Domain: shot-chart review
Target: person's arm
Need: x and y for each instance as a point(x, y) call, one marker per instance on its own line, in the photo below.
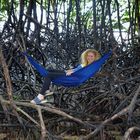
point(69, 72)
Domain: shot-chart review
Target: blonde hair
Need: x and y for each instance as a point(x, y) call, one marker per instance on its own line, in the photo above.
point(84, 61)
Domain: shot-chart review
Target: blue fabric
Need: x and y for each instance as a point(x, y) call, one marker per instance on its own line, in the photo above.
point(43, 72)
point(76, 78)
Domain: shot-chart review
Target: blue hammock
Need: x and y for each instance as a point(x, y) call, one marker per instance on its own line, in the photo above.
point(75, 78)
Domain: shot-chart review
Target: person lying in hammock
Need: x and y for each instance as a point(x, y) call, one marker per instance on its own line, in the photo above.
point(87, 57)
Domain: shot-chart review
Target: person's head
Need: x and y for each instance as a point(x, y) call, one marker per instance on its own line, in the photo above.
point(89, 56)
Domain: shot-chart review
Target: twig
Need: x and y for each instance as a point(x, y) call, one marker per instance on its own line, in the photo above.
point(129, 131)
point(128, 109)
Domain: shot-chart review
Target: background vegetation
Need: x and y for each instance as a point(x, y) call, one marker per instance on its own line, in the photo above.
point(55, 32)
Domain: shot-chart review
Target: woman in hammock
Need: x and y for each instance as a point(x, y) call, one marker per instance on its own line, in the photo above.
point(87, 57)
